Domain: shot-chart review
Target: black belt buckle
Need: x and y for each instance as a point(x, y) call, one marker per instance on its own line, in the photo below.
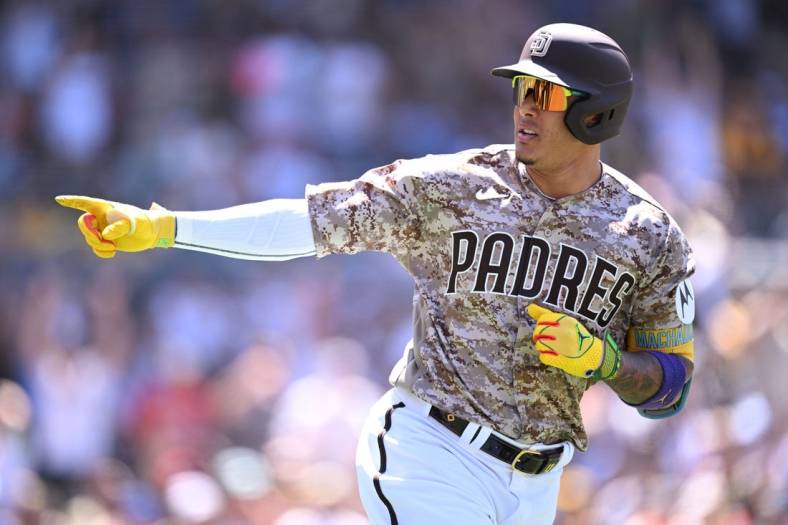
point(525, 460)
point(534, 462)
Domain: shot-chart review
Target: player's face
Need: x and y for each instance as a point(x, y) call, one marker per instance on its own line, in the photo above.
point(541, 138)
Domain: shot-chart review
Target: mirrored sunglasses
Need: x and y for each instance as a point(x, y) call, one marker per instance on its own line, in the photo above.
point(547, 95)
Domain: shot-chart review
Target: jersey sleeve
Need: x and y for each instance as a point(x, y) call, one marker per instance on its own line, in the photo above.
point(375, 212)
point(664, 308)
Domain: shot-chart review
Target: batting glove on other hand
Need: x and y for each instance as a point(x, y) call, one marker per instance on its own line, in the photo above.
point(563, 342)
point(111, 226)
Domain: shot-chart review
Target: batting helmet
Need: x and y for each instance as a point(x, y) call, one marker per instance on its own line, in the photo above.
point(584, 59)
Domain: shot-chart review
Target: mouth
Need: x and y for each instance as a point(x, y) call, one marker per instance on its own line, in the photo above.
point(526, 135)
point(547, 352)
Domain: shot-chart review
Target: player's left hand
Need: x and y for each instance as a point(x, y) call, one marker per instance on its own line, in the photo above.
point(563, 342)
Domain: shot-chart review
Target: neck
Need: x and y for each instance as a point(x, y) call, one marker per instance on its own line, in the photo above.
point(567, 179)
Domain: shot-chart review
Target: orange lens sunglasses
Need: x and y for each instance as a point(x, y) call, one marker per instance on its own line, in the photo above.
point(547, 95)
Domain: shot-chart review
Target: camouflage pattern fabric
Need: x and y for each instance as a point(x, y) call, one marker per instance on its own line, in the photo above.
point(482, 242)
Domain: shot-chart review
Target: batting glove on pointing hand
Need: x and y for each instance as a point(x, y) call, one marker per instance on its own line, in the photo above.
point(111, 226)
point(563, 342)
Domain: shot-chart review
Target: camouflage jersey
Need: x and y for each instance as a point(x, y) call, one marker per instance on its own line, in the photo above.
point(482, 242)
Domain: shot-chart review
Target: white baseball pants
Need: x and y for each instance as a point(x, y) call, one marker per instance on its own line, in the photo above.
point(413, 471)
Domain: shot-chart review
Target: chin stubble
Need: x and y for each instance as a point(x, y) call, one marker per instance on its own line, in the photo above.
point(527, 161)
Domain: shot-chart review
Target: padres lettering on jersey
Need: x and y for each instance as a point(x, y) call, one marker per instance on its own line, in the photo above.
point(481, 243)
point(572, 265)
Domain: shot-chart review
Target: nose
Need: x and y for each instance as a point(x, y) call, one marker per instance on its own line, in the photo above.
point(528, 107)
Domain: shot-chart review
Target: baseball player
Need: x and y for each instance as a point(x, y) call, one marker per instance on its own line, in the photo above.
point(538, 270)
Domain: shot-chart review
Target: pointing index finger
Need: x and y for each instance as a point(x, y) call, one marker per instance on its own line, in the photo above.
point(80, 202)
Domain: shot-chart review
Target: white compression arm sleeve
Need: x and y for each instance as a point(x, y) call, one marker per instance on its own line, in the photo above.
point(272, 230)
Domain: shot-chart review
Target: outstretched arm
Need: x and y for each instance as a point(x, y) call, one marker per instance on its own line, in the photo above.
point(277, 229)
point(273, 230)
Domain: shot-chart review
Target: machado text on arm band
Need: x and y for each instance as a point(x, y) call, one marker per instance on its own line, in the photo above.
point(675, 340)
point(673, 391)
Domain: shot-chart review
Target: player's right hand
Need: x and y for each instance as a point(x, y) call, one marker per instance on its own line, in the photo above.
point(111, 226)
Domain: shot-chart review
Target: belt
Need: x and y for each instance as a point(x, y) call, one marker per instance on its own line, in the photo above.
point(522, 459)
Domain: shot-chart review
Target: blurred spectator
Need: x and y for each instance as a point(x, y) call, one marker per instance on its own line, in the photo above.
point(76, 109)
point(30, 44)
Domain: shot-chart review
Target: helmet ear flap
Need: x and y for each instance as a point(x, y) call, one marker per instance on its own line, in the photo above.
point(609, 124)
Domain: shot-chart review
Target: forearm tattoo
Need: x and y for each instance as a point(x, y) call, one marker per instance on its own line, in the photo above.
point(638, 378)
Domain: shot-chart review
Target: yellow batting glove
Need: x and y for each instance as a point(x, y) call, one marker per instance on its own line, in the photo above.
point(111, 226)
point(563, 342)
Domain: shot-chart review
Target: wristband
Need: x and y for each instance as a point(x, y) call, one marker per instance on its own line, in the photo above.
point(611, 360)
point(674, 376)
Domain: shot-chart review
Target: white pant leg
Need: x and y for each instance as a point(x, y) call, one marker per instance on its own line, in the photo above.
point(432, 476)
point(407, 475)
point(537, 496)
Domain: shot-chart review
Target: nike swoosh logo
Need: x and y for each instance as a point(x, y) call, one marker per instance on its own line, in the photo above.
point(491, 193)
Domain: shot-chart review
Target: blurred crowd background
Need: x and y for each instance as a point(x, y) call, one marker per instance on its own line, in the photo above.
point(176, 387)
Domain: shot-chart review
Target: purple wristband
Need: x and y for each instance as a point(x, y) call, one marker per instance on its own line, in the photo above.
point(674, 375)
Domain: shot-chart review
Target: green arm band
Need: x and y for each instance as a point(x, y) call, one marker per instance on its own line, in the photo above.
point(611, 360)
